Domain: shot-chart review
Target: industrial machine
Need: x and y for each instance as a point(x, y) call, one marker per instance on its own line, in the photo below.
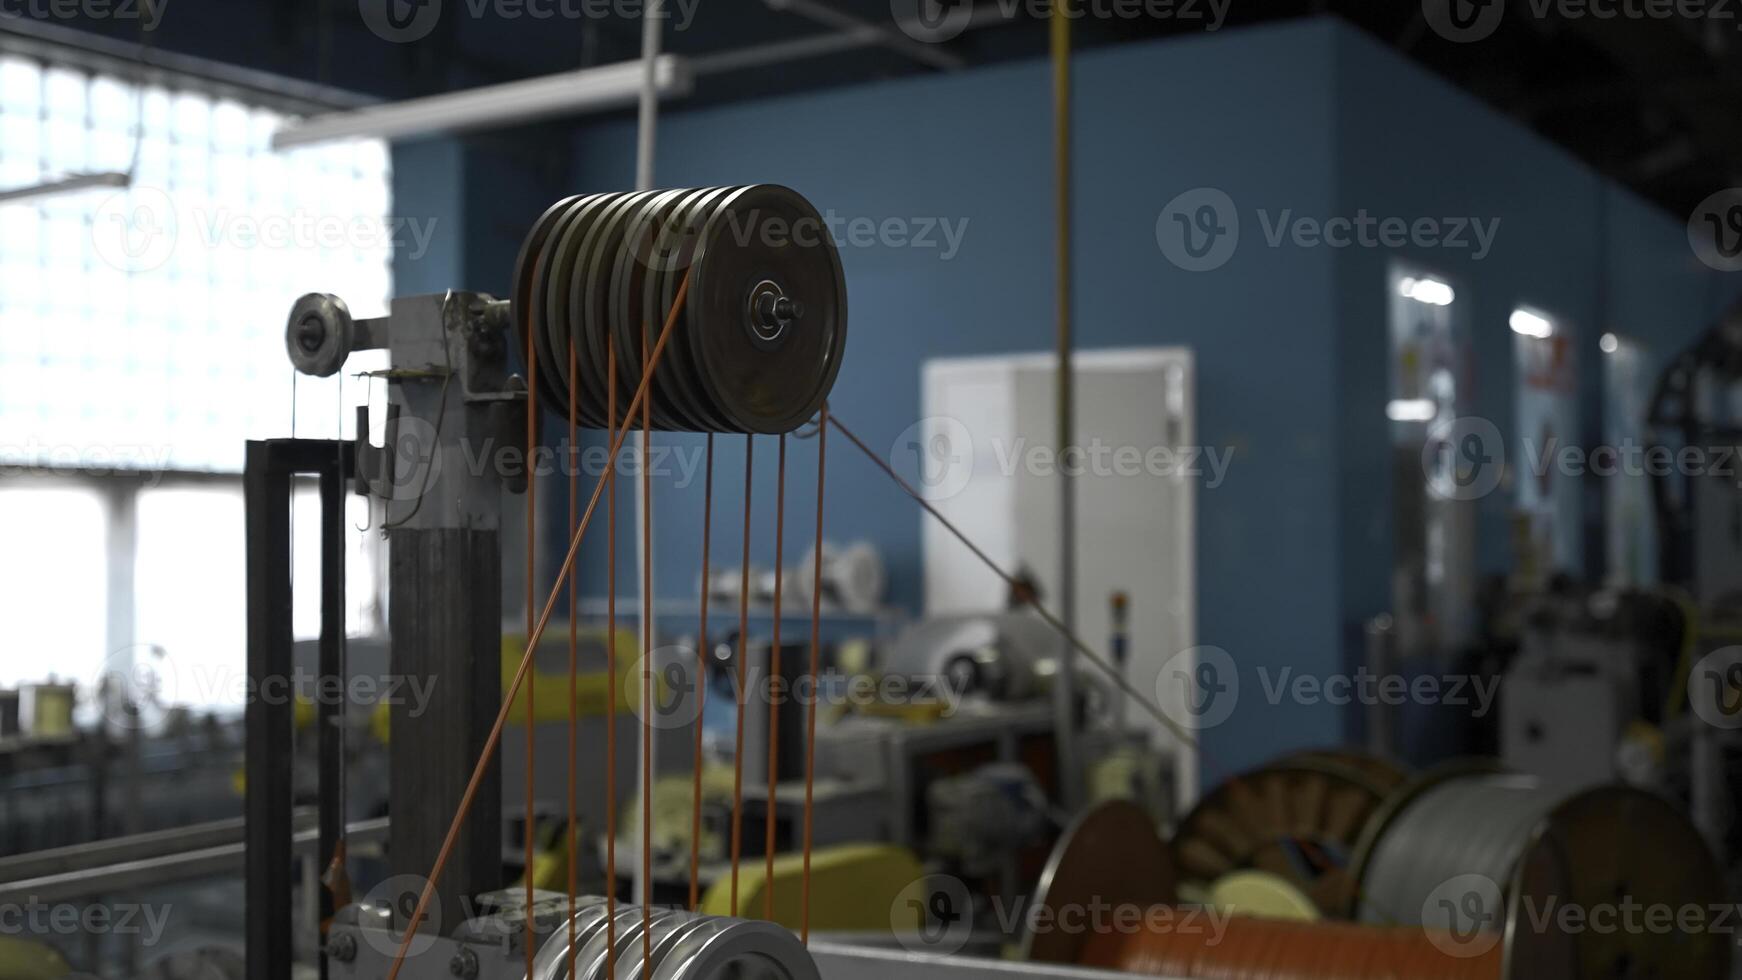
point(752, 340)
point(676, 311)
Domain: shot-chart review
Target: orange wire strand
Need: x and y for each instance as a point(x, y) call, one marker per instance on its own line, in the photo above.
point(574, 639)
point(495, 738)
point(618, 433)
point(701, 680)
point(743, 634)
point(531, 612)
point(810, 746)
point(774, 681)
point(646, 669)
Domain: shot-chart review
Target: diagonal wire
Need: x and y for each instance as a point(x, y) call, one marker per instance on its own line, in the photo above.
point(1106, 666)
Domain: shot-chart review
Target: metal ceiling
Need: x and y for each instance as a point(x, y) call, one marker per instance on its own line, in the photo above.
point(1655, 103)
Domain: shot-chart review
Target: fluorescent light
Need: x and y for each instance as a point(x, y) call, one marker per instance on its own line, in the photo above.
point(66, 185)
point(1429, 291)
point(1609, 343)
point(1530, 325)
point(610, 86)
point(1411, 410)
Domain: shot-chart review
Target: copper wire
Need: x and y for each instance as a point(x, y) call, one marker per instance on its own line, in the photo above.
point(743, 635)
point(1243, 947)
point(774, 684)
point(494, 740)
point(618, 432)
point(701, 679)
point(810, 745)
point(531, 613)
point(647, 707)
point(574, 641)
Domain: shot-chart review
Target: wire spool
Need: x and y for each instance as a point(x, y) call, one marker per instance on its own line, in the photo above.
point(1243, 948)
point(1110, 856)
point(1298, 818)
point(684, 946)
point(1468, 845)
point(764, 322)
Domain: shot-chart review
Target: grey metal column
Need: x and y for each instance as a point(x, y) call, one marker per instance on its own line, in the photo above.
point(443, 515)
point(445, 615)
point(452, 411)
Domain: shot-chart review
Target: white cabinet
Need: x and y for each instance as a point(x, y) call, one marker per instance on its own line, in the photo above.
point(985, 454)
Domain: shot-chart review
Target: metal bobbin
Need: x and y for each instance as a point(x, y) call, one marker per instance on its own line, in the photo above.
point(764, 325)
point(1469, 847)
point(684, 946)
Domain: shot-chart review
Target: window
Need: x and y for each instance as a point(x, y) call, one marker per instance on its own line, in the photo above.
point(52, 600)
point(142, 344)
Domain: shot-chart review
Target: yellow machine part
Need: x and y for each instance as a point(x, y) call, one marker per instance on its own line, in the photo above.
point(854, 887)
point(21, 959)
point(550, 690)
point(1262, 895)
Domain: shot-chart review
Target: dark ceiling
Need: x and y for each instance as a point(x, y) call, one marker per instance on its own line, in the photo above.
point(1654, 103)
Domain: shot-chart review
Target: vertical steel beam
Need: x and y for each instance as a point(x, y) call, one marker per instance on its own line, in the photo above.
point(266, 490)
point(269, 733)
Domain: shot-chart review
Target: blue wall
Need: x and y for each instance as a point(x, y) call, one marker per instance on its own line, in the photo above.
point(1153, 121)
point(1569, 242)
point(1294, 548)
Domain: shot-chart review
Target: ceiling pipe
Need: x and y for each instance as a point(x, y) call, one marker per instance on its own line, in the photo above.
point(612, 86)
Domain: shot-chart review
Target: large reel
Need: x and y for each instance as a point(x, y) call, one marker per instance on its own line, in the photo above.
point(684, 946)
point(1467, 843)
point(764, 324)
point(1298, 817)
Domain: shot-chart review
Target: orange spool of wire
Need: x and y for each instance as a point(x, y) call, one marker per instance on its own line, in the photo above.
point(1242, 948)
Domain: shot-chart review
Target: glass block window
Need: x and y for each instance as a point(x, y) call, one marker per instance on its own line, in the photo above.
point(142, 345)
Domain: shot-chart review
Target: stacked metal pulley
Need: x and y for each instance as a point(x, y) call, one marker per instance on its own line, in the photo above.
point(764, 320)
point(670, 945)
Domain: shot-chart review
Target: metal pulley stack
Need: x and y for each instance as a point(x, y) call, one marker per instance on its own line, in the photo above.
point(670, 945)
point(764, 322)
